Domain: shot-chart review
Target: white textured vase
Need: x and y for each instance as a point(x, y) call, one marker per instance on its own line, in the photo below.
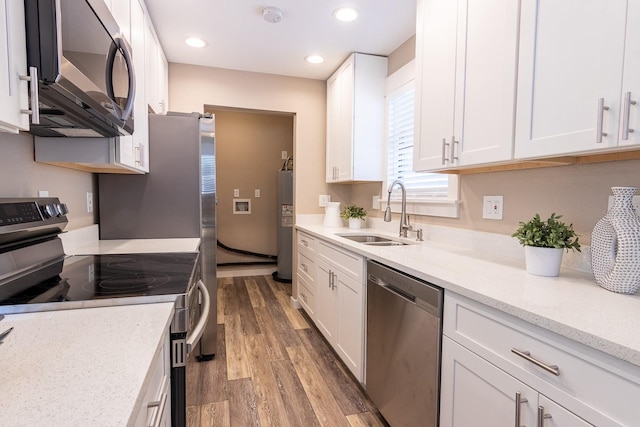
point(355, 223)
point(543, 261)
point(332, 215)
point(615, 245)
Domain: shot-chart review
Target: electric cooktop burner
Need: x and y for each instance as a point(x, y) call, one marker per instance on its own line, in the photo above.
point(93, 277)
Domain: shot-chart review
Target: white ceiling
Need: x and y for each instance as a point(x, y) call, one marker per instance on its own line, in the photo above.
point(240, 39)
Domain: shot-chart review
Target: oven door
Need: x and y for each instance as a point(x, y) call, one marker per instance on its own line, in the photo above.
point(198, 315)
point(183, 343)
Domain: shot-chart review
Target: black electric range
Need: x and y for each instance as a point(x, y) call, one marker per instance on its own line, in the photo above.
point(82, 281)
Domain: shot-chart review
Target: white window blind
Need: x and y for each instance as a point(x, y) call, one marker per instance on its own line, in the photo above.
point(420, 186)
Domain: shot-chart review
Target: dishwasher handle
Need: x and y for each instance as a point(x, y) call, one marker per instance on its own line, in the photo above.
point(398, 292)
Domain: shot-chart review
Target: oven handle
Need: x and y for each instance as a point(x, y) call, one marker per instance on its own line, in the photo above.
point(196, 334)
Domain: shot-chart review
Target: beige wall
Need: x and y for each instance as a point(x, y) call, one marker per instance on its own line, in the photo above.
point(248, 155)
point(192, 87)
point(20, 176)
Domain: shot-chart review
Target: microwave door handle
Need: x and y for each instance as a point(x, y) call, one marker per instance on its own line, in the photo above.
point(131, 74)
point(197, 332)
point(120, 45)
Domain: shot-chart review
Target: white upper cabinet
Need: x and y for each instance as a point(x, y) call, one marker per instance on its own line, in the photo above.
point(630, 109)
point(14, 95)
point(121, 11)
point(466, 58)
point(140, 137)
point(355, 120)
point(572, 55)
point(156, 73)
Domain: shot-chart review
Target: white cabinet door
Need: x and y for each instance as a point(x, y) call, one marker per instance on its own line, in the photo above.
point(476, 393)
point(163, 82)
point(121, 11)
point(630, 108)
point(569, 73)
point(555, 415)
point(350, 326)
point(326, 301)
point(485, 81)
point(355, 120)
point(140, 135)
point(435, 83)
point(14, 95)
point(466, 57)
point(333, 128)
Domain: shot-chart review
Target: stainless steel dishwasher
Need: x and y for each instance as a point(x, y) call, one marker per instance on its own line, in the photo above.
point(404, 335)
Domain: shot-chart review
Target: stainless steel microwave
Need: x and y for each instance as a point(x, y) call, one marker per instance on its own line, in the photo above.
point(84, 67)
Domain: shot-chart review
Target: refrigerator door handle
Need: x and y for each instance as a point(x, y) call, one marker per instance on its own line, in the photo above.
point(196, 333)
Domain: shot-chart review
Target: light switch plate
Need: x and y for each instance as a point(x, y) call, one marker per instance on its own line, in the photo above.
point(236, 192)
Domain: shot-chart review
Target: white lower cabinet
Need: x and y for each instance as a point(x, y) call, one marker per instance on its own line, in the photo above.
point(155, 409)
point(489, 358)
point(476, 393)
point(331, 289)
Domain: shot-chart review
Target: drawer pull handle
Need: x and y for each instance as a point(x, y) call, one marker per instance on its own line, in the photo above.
point(159, 404)
point(304, 266)
point(304, 297)
point(519, 401)
point(553, 369)
point(542, 416)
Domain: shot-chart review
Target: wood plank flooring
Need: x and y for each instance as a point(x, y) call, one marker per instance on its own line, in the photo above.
point(272, 367)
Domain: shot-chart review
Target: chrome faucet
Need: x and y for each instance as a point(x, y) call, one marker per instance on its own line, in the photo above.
point(404, 218)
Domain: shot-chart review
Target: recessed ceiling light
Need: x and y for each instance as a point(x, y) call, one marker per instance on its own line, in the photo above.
point(195, 42)
point(345, 14)
point(314, 59)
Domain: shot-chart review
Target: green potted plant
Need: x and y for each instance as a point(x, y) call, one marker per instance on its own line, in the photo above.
point(355, 215)
point(544, 242)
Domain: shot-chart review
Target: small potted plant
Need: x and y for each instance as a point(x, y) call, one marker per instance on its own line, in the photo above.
point(544, 242)
point(355, 215)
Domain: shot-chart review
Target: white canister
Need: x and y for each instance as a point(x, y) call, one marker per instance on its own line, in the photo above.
point(332, 215)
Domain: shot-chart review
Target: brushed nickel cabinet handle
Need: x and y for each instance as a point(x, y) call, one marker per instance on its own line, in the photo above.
point(304, 266)
point(304, 297)
point(599, 125)
point(542, 416)
point(453, 149)
point(519, 401)
point(553, 369)
point(626, 130)
point(444, 147)
point(34, 111)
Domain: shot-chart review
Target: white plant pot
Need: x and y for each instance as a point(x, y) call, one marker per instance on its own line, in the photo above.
point(355, 223)
point(543, 261)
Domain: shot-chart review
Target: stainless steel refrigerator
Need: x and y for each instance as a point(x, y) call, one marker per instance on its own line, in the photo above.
point(176, 199)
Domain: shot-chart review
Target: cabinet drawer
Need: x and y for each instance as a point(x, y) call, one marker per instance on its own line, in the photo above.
point(158, 390)
point(597, 387)
point(306, 267)
point(351, 264)
point(306, 295)
point(306, 243)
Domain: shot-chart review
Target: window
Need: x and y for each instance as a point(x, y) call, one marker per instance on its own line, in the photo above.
point(427, 193)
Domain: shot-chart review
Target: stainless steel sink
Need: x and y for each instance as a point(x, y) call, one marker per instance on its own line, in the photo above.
point(365, 238)
point(389, 243)
point(372, 240)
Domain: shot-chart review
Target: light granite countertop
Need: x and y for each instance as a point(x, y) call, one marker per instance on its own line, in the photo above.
point(571, 305)
point(84, 367)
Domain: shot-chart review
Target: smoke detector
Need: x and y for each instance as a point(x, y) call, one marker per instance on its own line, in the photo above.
point(272, 14)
